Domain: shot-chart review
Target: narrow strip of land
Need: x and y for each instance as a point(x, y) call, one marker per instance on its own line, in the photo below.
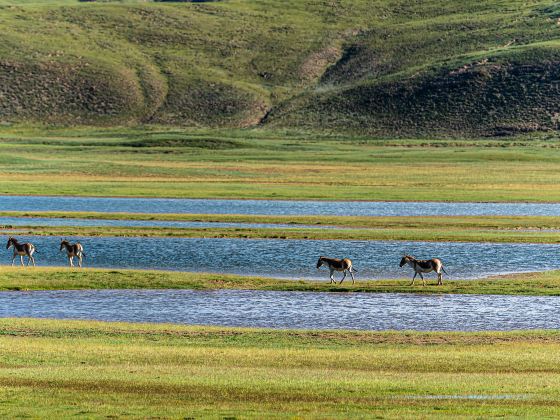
point(57, 278)
point(60, 369)
point(373, 222)
point(522, 229)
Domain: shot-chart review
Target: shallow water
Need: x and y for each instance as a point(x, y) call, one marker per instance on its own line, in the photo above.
point(288, 258)
point(469, 397)
point(302, 310)
point(272, 207)
point(55, 221)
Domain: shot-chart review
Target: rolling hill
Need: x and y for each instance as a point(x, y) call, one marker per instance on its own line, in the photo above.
point(381, 67)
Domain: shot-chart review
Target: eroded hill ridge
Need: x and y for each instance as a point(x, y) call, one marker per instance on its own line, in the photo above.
point(396, 68)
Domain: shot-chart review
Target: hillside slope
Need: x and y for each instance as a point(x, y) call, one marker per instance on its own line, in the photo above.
point(380, 67)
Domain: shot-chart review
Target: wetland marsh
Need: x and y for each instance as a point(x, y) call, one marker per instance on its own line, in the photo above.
point(228, 268)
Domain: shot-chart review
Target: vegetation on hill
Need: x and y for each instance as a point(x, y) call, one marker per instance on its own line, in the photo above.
point(382, 67)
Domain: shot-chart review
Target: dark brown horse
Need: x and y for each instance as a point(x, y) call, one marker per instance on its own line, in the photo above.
point(73, 250)
point(21, 250)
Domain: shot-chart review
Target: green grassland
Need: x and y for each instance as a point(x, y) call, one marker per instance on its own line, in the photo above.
point(167, 162)
point(381, 67)
point(57, 278)
point(91, 369)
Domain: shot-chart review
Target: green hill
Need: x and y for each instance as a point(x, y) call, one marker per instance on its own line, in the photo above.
point(385, 67)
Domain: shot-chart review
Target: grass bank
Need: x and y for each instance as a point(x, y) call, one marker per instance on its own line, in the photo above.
point(373, 222)
point(318, 234)
point(523, 229)
point(92, 369)
point(57, 278)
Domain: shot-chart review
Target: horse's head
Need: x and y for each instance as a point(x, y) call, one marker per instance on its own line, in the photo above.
point(10, 242)
point(320, 262)
point(63, 243)
point(405, 259)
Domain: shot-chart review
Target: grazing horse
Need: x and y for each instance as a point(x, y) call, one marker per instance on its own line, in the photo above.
point(424, 266)
point(73, 250)
point(336, 264)
point(21, 250)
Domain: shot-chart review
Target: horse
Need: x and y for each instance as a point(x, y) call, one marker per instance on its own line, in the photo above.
point(73, 250)
point(21, 250)
point(424, 266)
point(335, 264)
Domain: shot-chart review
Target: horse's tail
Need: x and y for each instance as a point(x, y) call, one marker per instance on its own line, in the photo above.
point(353, 269)
point(84, 254)
point(444, 270)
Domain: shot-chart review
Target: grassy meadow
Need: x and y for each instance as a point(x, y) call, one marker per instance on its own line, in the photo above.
point(257, 164)
point(93, 369)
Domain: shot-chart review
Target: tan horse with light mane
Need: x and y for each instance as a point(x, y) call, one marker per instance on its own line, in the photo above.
point(335, 264)
point(424, 266)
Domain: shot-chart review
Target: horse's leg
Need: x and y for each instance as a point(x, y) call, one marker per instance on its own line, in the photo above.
point(439, 278)
point(13, 259)
point(32, 258)
point(413, 277)
point(343, 277)
point(21, 260)
point(423, 281)
point(70, 260)
point(80, 260)
point(332, 277)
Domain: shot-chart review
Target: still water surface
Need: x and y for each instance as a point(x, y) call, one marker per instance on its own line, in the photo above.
point(296, 258)
point(304, 310)
point(272, 207)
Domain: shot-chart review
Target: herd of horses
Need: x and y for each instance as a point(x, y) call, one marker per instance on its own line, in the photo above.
point(334, 264)
point(28, 249)
point(419, 266)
